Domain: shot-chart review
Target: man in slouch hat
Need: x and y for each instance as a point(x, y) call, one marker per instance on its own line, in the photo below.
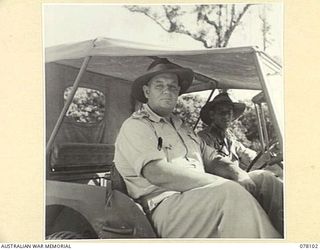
point(162, 162)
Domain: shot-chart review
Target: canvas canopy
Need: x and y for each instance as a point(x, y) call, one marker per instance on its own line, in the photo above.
point(233, 68)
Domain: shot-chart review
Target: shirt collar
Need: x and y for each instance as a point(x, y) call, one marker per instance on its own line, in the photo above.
point(146, 111)
point(151, 114)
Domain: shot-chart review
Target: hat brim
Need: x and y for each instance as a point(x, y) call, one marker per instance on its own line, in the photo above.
point(238, 109)
point(185, 77)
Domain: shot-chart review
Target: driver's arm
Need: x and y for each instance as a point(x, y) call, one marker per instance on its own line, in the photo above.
point(176, 178)
point(218, 165)
point(223, 167)
point(246, 155)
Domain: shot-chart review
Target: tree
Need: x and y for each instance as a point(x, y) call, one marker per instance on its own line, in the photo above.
point(265, 28)
point(211, 24)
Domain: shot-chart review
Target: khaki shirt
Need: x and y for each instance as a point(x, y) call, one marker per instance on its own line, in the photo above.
point(145, 137)
point(231, 148)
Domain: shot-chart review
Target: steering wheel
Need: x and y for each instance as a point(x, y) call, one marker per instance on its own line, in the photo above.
point(273, 157)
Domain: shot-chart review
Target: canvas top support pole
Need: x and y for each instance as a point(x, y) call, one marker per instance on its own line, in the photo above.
point(67, 104)
point(261, 75)
point(257, 108)
point(208, 100)
point(264, 126)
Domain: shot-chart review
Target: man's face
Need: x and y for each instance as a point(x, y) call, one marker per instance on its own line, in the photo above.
point(222, 115)
point(162, 93)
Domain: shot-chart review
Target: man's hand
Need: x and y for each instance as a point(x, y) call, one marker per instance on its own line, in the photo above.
point(223, 167)
point(222, 162)
point(245, 181)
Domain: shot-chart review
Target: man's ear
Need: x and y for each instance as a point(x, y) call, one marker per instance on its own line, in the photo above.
point(146, 91)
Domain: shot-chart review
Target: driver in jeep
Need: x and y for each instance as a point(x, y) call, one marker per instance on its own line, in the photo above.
point(163, 164)
point(218, 116)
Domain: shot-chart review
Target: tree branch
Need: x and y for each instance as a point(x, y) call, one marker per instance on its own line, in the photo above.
point(219, 30)
point(144, 11)
point(213, 23)
point(234, 24)
point(203, 40)
point(196, 37)
point(173, 25)
point(169, 20)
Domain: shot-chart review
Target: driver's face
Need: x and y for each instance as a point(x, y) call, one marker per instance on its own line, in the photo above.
point(222, 115)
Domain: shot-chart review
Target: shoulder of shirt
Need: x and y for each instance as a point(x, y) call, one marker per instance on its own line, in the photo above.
point(146, 114)
point(140, 114)
point(132, 123)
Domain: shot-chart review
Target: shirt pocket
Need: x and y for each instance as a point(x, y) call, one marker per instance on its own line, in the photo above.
point(172, 146)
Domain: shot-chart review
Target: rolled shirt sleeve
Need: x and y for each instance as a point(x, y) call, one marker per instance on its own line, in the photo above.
point(246, 155)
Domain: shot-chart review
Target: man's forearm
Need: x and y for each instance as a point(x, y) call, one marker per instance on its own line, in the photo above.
point(227, 172)
point(176, 178)
point(224, 168)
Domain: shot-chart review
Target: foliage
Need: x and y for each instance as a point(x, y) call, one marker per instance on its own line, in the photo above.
point(188, 108)
point(250, 124)
point(211, 24)
point(87, 105)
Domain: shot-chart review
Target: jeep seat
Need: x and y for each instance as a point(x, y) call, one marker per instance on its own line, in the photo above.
point(80, 161)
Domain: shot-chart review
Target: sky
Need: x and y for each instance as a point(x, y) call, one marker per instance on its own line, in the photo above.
point(72, 23)
point(68, 23)
point(65, 23)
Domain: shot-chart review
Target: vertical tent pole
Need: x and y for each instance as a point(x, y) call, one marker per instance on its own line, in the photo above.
point(264, 126)
point(257, 107)
point(67, 104)
point(261, 75)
